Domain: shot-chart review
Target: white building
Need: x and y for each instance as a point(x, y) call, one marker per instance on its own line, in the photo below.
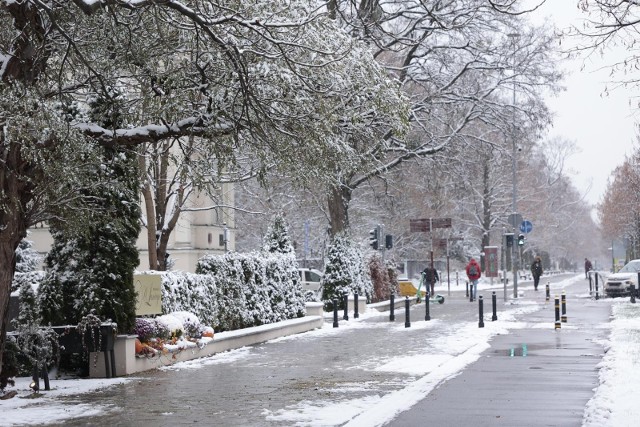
point(198, 233)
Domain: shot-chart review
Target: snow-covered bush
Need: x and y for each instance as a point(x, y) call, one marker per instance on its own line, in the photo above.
point(254, 288)
point(190, 323)
point(172, 323)
point(195, 293)
point(344, 272)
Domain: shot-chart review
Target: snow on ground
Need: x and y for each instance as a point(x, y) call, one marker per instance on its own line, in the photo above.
point(612, 404)
point(615, 402)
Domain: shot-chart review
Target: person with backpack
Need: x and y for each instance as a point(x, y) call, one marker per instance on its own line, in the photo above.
point(536, 272)
point(473, 273)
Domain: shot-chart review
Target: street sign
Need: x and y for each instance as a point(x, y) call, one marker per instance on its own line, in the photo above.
point(515, 219)
point(417, 225)
point(526, 226)
point(426, 224)
point(441, 222)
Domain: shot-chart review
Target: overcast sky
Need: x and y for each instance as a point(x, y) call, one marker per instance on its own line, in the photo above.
point(602, 126)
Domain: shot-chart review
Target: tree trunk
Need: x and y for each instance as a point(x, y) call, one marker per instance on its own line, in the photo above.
point(10, 236)
point(338, 203)
point(486, 210)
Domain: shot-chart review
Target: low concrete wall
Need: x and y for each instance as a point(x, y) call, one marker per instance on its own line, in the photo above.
point(398, 303)
point(126, 361)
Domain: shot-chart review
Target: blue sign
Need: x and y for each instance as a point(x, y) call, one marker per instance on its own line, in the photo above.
point(526, 226)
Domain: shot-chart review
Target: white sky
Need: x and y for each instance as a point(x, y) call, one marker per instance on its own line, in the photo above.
point(614, 403)
point(601, 126)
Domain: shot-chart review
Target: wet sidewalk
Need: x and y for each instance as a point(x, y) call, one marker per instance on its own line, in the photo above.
point(534, 376)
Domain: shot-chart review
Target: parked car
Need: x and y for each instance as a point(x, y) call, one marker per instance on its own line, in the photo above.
point(618, 284)
point(310, 279)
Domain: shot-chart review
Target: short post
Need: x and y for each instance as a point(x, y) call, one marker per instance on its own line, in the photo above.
point(557, 301)
point(427, 316)
point(494, 317)
point(632, 291)
point(470, 292)
point(355, 306)
point(466, 288)
point(335, 313)
point(456, 278)
point(548, 292)
point(480, 312)
point(590, 285)
point(597, 292)
point(345, 316)
point(392, 301)
point(563, 318)
point(407, 318)
point(35, 379)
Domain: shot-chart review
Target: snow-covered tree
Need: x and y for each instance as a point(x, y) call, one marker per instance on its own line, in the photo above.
point(92, 272)
point(345, 272)
point(255, 77)
point(27, 259)
point(38, 344)
point(277, 241)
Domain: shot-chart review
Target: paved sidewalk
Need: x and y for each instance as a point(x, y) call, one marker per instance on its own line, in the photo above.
point(550, 386)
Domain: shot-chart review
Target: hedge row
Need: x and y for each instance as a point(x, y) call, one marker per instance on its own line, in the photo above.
point(235, 291)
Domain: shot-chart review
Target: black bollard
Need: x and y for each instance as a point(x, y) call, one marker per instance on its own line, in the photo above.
point(466, 289)
point(597, 294)
point(480, 312)
point(335, 313)
point(590, 285)
point(355, 306)
point(392, 307)
point(470, 292)
point(345, 316)
point(632, 291)
point(548, 292)
point(557, 301)
point(407, 318)
point(427, 316)
point(494, 317)
point(563, 318)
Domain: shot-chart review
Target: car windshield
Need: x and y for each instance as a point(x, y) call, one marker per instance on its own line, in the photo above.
point(632, 267)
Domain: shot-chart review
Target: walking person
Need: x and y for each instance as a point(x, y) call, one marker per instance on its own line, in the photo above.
point(587, 268)
point(430, 279)
point(536, 271)
point(473, 273)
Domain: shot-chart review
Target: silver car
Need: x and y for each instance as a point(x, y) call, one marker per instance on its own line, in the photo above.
point(618, 284)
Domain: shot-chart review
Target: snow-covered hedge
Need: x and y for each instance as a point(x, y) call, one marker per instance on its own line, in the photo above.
point(254, 288)
point(235, 291)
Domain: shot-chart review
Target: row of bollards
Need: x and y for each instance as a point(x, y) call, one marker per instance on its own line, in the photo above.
point(345, 316)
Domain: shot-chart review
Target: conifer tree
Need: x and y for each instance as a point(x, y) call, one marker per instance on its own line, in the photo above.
point(277, 240)
point(91, 270)
point(344, 272)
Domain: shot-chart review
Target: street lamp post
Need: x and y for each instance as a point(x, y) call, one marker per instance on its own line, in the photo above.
point(514, 257)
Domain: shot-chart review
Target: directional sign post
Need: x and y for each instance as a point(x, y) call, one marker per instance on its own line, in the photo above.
point(526, 226)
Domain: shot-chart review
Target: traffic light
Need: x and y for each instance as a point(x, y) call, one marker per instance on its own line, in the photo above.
point(520, 239)
point(388, 241)
point(509, 238)
point(373, 238)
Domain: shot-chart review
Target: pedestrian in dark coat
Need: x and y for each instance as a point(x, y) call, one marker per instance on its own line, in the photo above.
point(536, 271)
point(430, 279)
point(587, 268)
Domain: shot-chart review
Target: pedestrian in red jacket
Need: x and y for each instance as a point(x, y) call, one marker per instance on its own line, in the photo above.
point(473, 273)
